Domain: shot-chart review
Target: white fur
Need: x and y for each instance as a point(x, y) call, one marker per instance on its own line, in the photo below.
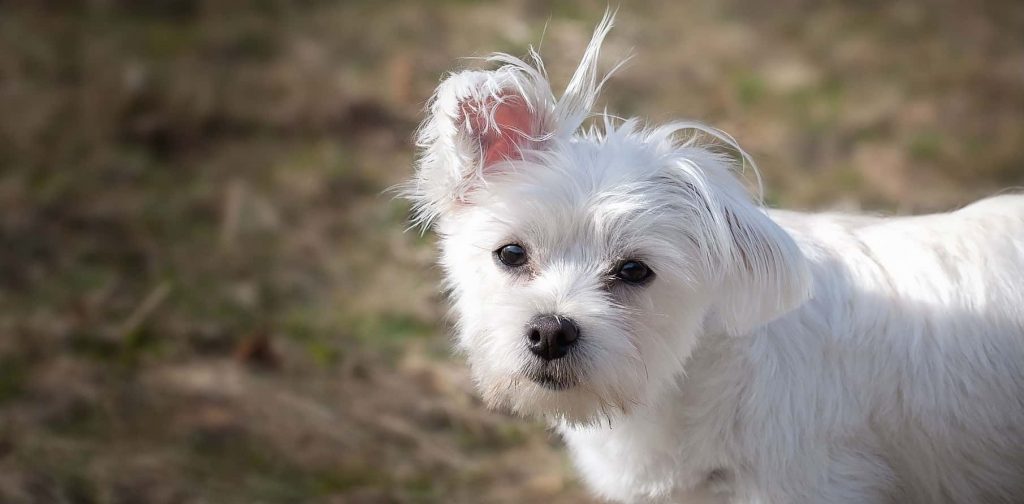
point(777, 357)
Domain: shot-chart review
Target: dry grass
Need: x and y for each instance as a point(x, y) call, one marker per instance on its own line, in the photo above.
point(205, 297)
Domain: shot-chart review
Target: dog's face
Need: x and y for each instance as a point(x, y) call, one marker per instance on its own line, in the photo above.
point(576, 285)
point(584, 267)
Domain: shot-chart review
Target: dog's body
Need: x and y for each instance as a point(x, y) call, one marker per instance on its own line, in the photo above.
point(690, 346)
point(900, 381)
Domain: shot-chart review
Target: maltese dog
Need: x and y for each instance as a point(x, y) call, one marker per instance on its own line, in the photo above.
point(619, 281)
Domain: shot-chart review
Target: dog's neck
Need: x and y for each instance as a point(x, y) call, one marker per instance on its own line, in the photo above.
point(684, 418)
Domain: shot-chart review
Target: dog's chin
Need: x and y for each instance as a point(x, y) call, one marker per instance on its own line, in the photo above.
point(542, 393)
point(561, 402)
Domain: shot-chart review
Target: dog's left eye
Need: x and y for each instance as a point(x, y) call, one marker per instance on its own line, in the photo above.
point(634, 272)
point(511, 255)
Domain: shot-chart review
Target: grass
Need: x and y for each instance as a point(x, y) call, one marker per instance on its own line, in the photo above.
point(13, 377)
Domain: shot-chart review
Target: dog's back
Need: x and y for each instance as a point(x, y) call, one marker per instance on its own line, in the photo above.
point(923, 318)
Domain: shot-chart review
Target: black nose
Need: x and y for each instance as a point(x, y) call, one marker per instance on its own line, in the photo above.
point(551, 336)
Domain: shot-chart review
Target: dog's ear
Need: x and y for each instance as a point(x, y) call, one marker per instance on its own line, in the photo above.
point(477, 123)
point(754, 268)
point(765, 274)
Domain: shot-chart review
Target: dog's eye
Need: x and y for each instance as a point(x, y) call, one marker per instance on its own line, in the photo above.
point(633, 272)
point(511, 255)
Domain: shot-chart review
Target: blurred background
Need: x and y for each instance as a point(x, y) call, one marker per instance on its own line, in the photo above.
point(206, 296)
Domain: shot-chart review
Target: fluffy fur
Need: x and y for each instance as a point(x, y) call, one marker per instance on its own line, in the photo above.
point(775, 357)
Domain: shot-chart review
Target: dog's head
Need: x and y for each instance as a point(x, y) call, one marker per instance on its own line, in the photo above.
point(584, 265)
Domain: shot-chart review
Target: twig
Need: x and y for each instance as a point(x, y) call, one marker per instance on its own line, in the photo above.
point(143, 311)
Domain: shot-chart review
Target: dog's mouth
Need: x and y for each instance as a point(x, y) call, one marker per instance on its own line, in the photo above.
point(550, 382)
point(550, 379)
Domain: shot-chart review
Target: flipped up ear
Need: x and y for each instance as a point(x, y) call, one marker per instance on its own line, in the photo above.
point(477, 122)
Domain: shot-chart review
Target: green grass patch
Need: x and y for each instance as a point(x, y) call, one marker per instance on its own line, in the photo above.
point(13, 377)
point(391, 328)
point(926, 146)
point(126, 352)
point(239, 464)
point(750, 89)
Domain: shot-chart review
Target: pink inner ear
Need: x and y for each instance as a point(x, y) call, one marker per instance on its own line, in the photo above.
point(515, 126)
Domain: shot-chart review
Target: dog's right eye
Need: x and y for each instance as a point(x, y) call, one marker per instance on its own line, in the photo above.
point(511, 255)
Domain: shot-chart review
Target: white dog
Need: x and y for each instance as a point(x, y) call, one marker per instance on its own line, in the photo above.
point(692, 347)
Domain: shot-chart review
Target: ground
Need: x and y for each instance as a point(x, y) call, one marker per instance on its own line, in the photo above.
point(208, 295)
